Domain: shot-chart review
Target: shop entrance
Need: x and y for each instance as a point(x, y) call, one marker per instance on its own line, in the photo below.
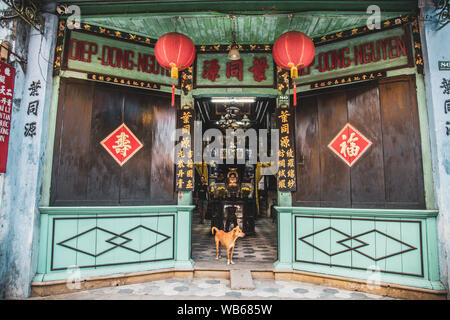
point(234, 193)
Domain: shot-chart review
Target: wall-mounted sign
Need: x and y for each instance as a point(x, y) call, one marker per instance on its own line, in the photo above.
point(349, 144)
point(444, 65)
point(124, 81)
point(122, 144)
point(184, 158)
point(286, 176)
point(385, 50)
point(129, 59)
point(7, 76)
point(102, 55)
point(252, 70)
point(349, 79)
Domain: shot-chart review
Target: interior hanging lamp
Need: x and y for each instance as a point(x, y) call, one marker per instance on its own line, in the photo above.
point(174, 51)
point(293, 50)
point(233, 54)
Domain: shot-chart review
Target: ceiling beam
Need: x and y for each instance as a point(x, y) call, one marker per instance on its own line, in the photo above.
point(97, 7)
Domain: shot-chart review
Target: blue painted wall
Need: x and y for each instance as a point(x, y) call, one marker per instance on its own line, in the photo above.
point(20, 186)
point(436, 47)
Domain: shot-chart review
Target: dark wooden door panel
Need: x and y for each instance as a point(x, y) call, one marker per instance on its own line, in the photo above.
point(84, 173)
point(162, 171)
point(367, 176)
point(402, 152)
point(71, 151)
point(135, 173)
point(388, 175)
point(104, 172)
point(335, 174)
point(307, 153)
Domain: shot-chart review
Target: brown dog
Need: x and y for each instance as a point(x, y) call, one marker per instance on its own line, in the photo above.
point(227, 239)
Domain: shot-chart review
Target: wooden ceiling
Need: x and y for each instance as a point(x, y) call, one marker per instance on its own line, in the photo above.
point(255, 22)
point(249, 29)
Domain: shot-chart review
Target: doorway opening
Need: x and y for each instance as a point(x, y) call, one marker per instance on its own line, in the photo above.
point(234, 193)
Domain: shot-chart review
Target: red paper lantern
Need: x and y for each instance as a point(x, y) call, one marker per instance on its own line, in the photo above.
point(174, 51)
point(293, 50)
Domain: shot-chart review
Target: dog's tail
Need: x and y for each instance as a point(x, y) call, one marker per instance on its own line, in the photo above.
point(212, 230)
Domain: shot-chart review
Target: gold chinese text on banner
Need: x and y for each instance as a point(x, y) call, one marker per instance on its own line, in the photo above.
point(286, 177)
point(184, 153)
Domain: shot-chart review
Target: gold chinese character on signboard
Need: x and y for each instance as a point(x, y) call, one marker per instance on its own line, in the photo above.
point(285, 128)
point(291, 173)
point(180, 164)
point(186, 142)
point(291, 183)
point(348, 146)
point(122, 144)
point(290, 162)
point(284, 116)
point(186, 116)
point(284, 142)
point(186, 129)
point(290, 153)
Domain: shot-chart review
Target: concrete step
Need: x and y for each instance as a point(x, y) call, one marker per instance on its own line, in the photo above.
point(241, 279)
point(221, 265)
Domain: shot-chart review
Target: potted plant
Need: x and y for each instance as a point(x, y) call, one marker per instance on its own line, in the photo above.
point(245, 192)
point(220, 192)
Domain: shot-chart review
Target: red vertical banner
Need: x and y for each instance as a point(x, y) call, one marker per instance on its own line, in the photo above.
point(7, 76)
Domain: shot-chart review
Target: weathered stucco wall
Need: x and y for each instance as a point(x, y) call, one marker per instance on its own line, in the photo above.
point(15, 32)
point(436, 47)
point(20, 186)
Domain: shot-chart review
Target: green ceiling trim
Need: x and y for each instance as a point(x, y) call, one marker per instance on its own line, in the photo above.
point(250, 30)
point(219, 48)
point(90, 7)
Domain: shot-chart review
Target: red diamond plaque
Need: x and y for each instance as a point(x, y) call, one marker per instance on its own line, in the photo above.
point(122, 144)
point(349, 145)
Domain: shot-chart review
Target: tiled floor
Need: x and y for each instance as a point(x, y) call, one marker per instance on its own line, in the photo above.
point(262, 246)
point(210, 289)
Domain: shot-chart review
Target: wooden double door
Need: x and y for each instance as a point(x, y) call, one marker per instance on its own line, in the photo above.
point(388, 175)
point(84, 173)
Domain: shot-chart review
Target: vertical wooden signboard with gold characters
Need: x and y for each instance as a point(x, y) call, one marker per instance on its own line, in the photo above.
point(286, 177)
point(184, 153)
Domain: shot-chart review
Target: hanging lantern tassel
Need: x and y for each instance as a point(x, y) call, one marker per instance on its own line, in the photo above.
point(173, 75)
point(173, 94)
point(294, 75)
point(295, 93)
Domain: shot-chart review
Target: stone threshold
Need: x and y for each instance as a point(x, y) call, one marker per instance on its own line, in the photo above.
point(214, 269)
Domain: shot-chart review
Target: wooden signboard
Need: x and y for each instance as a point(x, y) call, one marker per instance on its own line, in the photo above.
point(252, 70)
point(184, 159)
point(105, 58)
point(286, 163)
point(386, 50)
